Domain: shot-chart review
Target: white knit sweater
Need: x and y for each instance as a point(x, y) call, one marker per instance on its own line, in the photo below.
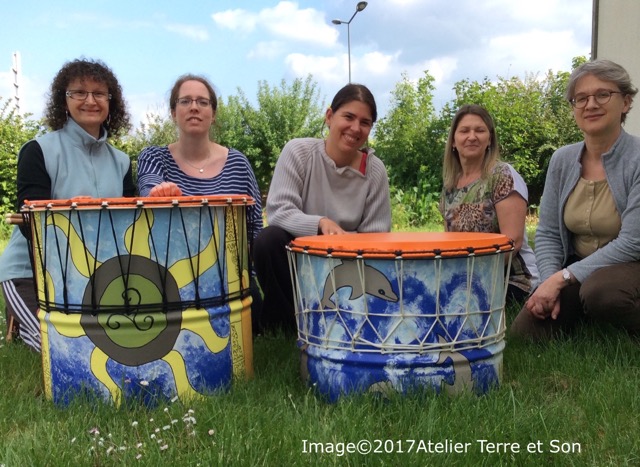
point(307, 186)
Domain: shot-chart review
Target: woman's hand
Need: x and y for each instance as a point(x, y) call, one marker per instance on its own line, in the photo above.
point(166, 189)
point(327, 227)
point(545, 300)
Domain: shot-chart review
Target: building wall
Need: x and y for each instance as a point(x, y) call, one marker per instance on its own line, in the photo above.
point(616, 36)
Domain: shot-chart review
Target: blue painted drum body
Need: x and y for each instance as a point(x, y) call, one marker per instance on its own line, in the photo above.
point(400, 311)
point(142, 298)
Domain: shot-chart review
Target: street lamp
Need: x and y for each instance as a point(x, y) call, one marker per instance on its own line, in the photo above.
point(359, 7)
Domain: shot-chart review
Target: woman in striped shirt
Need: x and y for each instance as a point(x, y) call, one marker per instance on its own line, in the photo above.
point(194, 165)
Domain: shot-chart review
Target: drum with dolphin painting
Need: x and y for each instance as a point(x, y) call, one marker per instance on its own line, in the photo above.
point(143, 298)
point(400, 311)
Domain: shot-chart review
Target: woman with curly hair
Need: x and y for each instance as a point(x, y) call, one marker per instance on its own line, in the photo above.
point(85, 106)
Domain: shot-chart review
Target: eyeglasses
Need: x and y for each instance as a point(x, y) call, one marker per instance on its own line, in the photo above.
point(82, 95)
point(602, 97)
point(186, 102)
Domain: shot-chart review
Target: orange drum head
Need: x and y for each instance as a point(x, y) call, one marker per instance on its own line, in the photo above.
point(402, 244)
point(152, 202)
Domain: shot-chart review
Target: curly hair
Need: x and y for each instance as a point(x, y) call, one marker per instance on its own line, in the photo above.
point(56, 109)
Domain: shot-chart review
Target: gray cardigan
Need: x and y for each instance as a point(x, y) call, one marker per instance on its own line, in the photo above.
point(553, 240)
point(307, 186)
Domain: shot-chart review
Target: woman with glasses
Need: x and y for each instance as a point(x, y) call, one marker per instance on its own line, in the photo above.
point(194, 165)
point(84, 108)
point(588, 236)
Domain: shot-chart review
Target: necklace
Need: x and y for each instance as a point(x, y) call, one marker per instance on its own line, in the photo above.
point(199, 169)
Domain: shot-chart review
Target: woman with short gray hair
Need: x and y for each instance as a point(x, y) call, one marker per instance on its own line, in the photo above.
point(588, 236)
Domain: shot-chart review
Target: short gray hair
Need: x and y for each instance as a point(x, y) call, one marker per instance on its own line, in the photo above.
point(606, 70)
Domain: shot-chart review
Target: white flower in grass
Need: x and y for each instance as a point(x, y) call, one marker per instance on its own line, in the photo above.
point(139, 445)
point(73, 440)
point(153, 435)
point(174, 421)
point(144, 383)
point(151, 419)
point(166, 427)
point(122, 448)
point(190, 411)
point(134, 423)
point(157, 430)
point(212, 432)
point(139, 456)
point(94, 431)
point(164, 447)
point(174, 398)
point(110, 450)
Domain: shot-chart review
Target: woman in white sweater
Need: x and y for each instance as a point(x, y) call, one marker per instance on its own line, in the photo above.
point(321, 187)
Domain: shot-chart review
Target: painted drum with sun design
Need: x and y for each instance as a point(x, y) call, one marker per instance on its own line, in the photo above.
point(144, 298)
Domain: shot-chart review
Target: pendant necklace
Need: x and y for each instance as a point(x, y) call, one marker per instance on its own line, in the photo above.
point(199, 169)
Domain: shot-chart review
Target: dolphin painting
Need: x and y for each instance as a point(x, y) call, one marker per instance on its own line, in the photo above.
point(347, 275)
point(463, 380)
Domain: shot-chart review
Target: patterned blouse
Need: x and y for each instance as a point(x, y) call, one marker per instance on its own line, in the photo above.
point(472, 209)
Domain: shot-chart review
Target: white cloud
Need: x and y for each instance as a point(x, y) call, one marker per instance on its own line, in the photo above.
point(271, 49)
point(141, 106)
point(377, 62)
point(284, 21)
point(236, 20)
point(197, 33)
point(307, 25)
point(324, 69)
point(31, 93)
point(534, 50)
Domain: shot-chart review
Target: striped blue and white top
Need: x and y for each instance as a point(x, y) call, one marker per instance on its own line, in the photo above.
point(156, 165)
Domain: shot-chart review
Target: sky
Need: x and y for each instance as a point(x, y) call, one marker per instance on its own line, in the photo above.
point(236, 44)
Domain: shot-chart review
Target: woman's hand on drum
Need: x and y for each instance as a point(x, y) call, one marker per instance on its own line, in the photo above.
point(327, 227)
point(166, 189)
point(545, 300)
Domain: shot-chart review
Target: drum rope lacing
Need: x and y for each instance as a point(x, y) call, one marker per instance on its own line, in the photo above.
point(63, 256)
point(482, 328)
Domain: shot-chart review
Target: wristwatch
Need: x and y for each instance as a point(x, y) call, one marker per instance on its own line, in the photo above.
point(566, 275)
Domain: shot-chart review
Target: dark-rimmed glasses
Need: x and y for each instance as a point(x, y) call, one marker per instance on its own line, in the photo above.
point(602, 97)
point(82, 95)
point(186, 102)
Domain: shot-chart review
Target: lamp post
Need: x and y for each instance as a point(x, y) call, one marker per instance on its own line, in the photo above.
point(359, 7)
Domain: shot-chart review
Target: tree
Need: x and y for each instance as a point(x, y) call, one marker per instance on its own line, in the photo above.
point(159, 131)
point(532, 120)
point(404, 139)
point(15, 130)
point(410, 140)
point(282, 113)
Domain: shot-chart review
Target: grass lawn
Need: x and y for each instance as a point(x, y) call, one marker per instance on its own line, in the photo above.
point(569, 402)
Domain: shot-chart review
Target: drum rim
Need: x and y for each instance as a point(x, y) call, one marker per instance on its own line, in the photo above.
point(398, 245)
point(137, 202)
